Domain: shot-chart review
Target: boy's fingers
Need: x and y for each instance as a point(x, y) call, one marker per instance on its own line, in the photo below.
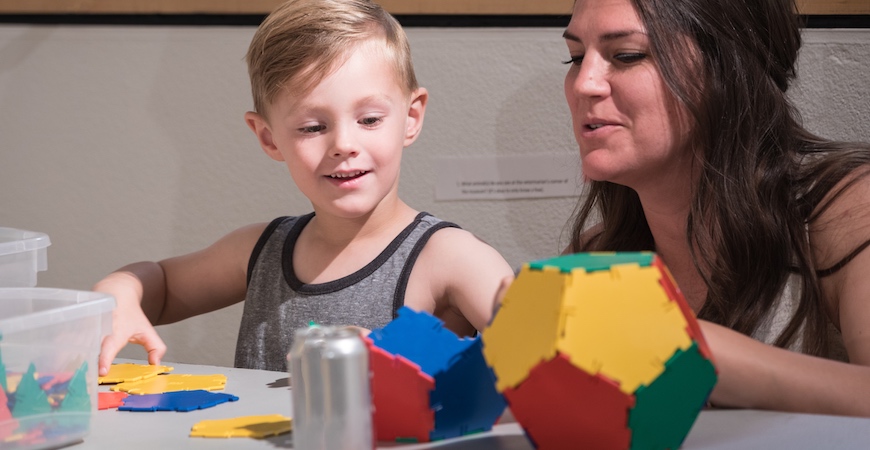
point(154, 346)
point(503, 287)
point(108, 350)
point(112, 345)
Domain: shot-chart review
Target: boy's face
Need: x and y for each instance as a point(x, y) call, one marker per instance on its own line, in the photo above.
point(343, 141)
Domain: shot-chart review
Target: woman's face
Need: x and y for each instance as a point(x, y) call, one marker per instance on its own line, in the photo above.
point(629, 128)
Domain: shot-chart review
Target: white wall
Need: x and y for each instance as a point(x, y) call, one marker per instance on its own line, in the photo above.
point(127, 143)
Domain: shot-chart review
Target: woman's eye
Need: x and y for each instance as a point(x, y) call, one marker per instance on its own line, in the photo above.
point(312, 129)
point(369, 121)
point(628, 58)
point(576, 60)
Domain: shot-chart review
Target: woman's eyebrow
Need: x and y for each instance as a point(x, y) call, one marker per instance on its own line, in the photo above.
point(570, 36)
point(609, 36)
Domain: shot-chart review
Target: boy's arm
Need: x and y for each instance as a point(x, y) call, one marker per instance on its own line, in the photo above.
point(467, 271)
point(154, 293)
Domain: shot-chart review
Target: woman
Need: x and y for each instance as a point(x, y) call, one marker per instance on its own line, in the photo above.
point(693, 150)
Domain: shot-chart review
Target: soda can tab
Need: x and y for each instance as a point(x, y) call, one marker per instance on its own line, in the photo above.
point(329, 372)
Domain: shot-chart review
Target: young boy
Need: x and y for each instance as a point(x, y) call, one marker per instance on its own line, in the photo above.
point(336, 99)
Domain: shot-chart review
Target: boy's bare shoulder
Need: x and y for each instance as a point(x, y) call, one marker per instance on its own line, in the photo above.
point(462, 273)
point(241, 239)
point(454, 249)
point(450, 241)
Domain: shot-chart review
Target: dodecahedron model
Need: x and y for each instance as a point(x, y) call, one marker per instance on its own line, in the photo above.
point(599, 350)
point(428, 383)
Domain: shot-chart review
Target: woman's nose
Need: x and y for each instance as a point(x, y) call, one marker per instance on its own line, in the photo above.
point(592, 77)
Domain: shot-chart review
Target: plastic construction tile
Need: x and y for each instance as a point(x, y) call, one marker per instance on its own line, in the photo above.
point(109, 400)
point(182, 401)
point(674, 293)
point(560, 406)
point(400, 394)
point(121, 373)
point(513, 353)
point(54, 382)
point(245, 426)
point(76, 398)
point(30, 399)
point(594, 262)
point(172, 383)
point(623, 317)
point(667, 408)
point(5, 414)
point(401, 337)
point(465, 400)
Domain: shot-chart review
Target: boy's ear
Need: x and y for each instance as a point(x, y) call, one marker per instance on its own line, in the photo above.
point(260, 127)
point(416, 111)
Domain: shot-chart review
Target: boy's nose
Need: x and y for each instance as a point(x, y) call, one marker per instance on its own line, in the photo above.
point(344, 143)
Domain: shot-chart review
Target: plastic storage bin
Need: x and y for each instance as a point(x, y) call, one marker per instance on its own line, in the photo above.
point(49, 344)
point(22, 254)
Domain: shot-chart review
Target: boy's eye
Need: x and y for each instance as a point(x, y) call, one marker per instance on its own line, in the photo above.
point(312, 129)
point(628, 58)
point(369, 121)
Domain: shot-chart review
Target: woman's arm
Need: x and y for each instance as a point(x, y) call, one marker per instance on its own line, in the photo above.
point(755, 375)
point(760, 376)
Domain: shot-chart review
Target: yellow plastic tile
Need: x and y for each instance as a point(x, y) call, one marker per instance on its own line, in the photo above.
point(120, 373)
point(508, 344)
point(172, 383)
point(246, 426)
point(620, 317)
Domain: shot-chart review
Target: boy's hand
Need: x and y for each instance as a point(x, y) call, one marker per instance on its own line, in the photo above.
point(133, 328)
point(503, 287)
point(129, 322)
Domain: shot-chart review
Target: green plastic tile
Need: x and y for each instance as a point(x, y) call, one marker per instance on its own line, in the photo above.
point(593, 262)
point(665, 410)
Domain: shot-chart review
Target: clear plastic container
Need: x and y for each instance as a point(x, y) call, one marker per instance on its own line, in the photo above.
point(49, 344)
point(22, 255)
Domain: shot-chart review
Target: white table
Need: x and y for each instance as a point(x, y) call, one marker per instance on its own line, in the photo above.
point(263, 392)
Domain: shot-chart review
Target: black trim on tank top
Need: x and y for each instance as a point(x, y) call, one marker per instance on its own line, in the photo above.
point(261, 242)
point(341, 283)
point(402, 285)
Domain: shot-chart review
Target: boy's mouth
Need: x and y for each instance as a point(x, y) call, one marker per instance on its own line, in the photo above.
point(348, 175)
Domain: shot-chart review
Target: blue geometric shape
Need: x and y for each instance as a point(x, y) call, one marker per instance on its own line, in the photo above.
point(465, 400)
point(181, 401)
point(441, 344)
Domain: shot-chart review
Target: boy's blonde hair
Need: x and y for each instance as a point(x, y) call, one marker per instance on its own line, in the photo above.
point(302, 41)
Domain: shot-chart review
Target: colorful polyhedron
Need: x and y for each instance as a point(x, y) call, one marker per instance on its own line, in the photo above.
point(600, 350)
point(428, 383)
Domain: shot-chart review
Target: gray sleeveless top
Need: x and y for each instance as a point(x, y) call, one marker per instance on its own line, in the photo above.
point(277, 303)
point(779, 316)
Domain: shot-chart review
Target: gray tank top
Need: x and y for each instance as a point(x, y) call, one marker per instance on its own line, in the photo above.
point(277, 303)
point(780, 315)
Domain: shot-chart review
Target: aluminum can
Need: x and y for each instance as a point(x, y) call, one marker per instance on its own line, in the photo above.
point(330, 379)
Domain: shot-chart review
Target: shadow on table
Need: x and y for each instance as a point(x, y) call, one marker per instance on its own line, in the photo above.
point(478, 442)
point(280, 383)
point(281, 441)
point(475, 442)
